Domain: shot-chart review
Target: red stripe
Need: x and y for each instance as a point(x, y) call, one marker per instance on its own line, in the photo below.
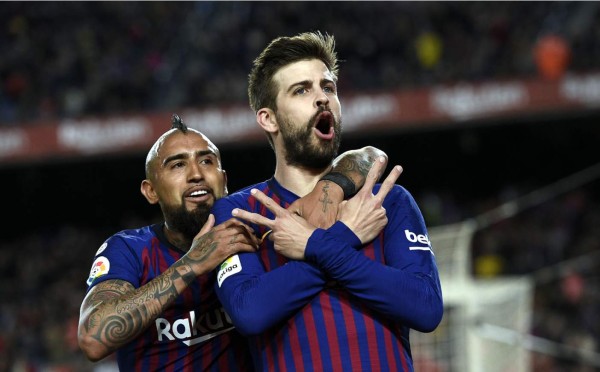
point(402, 353)
point(139, 354)
point(349, 322)
point(309, 320)
point(331, 332)
point(369, 251)
point(173, 351)
point(372, 342)
point(295, 347)
point(280, 355)
point(223, 362)
point(388, 340)
point(154, 360)
point(281, 260)
point(390, 329)
point(268, 351)
point(394, 334)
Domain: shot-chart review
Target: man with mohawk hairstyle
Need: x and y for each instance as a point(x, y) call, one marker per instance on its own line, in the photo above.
point(150, 295)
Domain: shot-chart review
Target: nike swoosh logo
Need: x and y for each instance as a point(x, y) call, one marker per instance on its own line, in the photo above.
point(198, 340)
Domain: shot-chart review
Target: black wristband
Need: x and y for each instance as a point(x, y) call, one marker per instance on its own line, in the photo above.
point(342, 181)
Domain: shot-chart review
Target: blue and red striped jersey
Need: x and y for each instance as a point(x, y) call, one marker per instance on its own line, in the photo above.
point(194, 334)
point(347, 306)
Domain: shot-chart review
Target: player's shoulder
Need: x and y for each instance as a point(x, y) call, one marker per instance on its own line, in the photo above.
point(241, 194)
point(134, 234)
point(397, 191)
point(134, 239)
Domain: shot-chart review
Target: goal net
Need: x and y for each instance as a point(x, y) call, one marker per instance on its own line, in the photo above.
point(487, 322)
point(483, 319)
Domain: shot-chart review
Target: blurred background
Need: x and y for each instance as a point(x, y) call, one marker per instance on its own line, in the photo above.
point(492, 108)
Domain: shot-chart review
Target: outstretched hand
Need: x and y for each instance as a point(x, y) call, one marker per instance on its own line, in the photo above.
point(290, 232)
point(364, 213)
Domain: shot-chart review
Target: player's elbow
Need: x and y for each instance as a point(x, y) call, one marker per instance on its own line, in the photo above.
point(430, 317)
point(92, 349)
point(375, 152)
point(249, 320)
point(249, 326)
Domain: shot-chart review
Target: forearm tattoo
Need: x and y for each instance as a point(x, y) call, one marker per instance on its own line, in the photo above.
point(119, 313)
point(355, 168)
point(325, 200)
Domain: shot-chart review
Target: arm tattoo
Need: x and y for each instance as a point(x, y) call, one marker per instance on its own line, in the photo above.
point(325, 200)
point(355, 168)
point(118, 313)
point(126, 312)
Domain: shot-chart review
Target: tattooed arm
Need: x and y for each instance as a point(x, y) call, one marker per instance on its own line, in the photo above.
point(114, 313)
point(346, 177)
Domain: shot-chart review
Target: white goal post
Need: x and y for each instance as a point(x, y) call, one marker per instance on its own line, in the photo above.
point(484, 320)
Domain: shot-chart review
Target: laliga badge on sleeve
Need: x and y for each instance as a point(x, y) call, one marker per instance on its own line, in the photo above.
point(231, 266)
point(99, 267)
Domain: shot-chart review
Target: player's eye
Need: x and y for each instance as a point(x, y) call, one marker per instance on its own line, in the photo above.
point(329, 89)
point(300, 90)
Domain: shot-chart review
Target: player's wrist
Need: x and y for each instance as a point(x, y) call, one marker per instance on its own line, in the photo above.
point(344, 183)
point(334, 191)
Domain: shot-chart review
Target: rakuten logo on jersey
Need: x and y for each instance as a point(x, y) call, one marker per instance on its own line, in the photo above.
point(418, 238)
point(192, 330)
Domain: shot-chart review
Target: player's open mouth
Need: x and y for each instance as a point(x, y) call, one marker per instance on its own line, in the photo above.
point(324, 125)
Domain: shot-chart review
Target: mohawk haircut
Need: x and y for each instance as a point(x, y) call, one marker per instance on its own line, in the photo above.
point(177, 123)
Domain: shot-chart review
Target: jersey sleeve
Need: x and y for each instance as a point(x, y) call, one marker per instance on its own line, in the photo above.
point(257, 299)
point(115, 260)
point(406, 287)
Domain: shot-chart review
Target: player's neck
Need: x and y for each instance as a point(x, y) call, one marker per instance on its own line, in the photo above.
point(177, 239)
point(297, 179)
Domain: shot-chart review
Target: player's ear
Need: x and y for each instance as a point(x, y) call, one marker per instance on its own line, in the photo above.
point(225, 191)
point(265, 117)
point(148, 191)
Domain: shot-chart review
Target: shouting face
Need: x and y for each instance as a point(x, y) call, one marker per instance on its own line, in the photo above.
point(308, 113)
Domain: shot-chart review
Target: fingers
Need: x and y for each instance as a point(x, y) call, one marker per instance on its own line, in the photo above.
point(252, 218)
point(208, 225)
point(296, 208)
point(257, 218)
point(267, 202)
point(389, 182)
point(236, 233)
point(373, 175)
point(210, 222)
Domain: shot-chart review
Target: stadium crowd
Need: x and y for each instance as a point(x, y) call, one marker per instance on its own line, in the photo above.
point(68, 59)
point(99, 58)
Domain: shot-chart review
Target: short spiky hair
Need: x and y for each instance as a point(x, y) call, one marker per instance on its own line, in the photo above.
point(177, 123)
point(281, 52)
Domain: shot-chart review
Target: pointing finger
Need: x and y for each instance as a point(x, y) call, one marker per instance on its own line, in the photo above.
point(267, 202)
point(252, 217)
point(373, 175)
point(389, 182)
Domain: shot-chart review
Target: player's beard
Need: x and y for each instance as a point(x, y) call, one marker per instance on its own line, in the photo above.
point(187, 222)
point(301, 149)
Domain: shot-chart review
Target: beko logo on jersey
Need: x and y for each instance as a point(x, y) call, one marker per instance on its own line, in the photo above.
point(193, 331)
point(418, 238)
point(231, 266)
